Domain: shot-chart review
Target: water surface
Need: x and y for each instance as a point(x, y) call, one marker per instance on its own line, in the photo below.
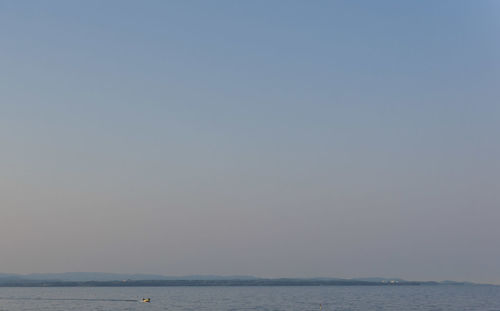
point(253, 298)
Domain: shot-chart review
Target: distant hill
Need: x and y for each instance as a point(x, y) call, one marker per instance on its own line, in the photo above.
point(101, 276)
point(122, 279)
point(375, 279)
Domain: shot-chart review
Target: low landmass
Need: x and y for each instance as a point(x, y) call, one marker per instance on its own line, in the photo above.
point(75, 279)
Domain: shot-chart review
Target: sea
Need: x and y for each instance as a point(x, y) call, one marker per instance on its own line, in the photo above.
point(286, 298)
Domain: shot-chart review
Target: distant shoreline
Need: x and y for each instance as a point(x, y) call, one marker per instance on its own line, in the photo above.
point(186, 283)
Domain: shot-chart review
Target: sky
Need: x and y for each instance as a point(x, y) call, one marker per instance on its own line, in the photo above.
point(266, 138)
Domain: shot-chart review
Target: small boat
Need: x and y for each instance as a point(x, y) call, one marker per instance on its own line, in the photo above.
point(146, 299)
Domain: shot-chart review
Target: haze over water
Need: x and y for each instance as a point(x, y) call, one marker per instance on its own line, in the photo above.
point(275, 139)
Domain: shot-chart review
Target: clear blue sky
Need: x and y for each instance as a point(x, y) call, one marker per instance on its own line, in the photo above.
point(272, 138)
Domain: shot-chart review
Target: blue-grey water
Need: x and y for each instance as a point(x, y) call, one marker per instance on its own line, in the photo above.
point(253, 298)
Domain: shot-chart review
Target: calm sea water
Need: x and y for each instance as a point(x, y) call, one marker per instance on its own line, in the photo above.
point(253, 298)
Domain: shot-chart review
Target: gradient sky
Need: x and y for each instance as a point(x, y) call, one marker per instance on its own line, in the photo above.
point(270, 138)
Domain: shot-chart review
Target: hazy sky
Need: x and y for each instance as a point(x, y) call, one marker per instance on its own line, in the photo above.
point(271, 138)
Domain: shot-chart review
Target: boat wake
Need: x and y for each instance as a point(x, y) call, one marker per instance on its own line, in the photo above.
point(66, 299)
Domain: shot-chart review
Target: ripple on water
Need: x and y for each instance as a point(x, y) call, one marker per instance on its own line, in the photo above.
point(350, 298)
